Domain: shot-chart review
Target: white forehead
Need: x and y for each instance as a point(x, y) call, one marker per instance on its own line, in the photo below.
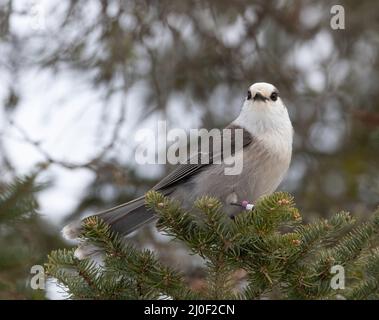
point(263, 87)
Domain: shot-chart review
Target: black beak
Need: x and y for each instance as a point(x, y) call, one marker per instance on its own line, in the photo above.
point(259, 96)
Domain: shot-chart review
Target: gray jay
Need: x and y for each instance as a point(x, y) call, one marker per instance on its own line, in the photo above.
point(265, 155)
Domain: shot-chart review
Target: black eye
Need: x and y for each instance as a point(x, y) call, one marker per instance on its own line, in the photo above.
point(274, 96)
point(248, 95)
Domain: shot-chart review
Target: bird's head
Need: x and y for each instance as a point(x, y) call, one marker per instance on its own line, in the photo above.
point(264, 95)
point(263, 109)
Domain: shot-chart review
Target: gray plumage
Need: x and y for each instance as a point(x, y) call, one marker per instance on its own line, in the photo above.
point(265, 154)
point(184, 184)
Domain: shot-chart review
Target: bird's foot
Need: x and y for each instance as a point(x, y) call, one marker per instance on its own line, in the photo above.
point(248, 206)
point(244, 204)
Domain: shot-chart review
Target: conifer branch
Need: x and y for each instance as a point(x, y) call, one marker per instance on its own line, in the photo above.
point(276, 250)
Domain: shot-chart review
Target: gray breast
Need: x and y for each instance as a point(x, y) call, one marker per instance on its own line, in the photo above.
point(262, 172)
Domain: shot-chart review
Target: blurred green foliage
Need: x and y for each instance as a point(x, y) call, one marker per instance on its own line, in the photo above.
point(25, 238)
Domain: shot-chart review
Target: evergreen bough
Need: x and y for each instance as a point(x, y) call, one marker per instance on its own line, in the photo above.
point(25, 238)
point(281, 256)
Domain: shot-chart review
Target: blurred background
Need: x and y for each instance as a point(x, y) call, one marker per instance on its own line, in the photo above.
point(79, 78)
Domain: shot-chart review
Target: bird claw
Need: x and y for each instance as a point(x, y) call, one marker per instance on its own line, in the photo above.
point(248, 206)
point(244, 204)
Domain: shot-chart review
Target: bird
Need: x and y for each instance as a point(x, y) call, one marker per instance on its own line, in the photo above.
point(265, 155)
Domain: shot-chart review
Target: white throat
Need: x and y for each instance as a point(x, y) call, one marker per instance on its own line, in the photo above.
point(269, 124)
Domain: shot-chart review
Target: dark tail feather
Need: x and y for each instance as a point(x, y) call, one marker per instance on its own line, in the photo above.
point(122, 219)
point(127, 217)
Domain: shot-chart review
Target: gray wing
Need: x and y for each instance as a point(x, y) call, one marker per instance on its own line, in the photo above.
point(132, 215)
point(185, 171)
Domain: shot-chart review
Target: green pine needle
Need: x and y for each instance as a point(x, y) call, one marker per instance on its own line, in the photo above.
point(281, 256)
